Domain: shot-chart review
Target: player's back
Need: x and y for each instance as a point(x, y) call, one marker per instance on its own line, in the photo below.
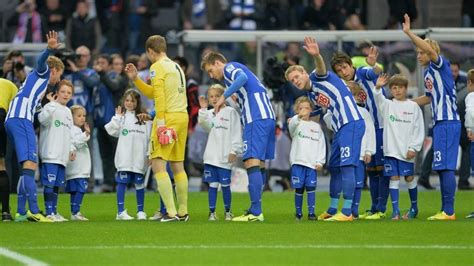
point(253, 97)
point(170, 76)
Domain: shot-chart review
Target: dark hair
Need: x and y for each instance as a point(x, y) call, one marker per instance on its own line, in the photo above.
point(135, 95)
point(182, 62)
point(340, 58)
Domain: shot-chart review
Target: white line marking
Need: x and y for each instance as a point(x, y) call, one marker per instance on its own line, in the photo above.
point(224, 246)
point(20, 257)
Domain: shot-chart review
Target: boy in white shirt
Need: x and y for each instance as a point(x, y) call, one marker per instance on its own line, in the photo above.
point(402, 139)
point(78, 169)
point(307, 155)
point(469, 119)
point(55, 146)
point(223, 145)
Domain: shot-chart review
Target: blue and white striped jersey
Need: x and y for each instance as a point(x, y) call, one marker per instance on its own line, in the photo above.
point(367, 79)
point(31, 92)
point(439, 86)
point(253, 97)
point(331, 92)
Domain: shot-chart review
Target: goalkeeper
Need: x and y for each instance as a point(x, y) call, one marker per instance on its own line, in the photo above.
point(170, 125)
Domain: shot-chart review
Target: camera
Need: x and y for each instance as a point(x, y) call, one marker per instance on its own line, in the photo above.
point(274, 76)
point(66, 54)
point(17, 66)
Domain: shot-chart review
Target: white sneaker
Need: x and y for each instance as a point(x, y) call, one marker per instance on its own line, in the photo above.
point(53, 218)
point(124, 216)
point(60, 218)
point(156, 217)
point(141, 215)
point(229, 216)
point(212, 216)
point(78, 217)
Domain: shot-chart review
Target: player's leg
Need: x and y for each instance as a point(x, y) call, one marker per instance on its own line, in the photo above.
point(335, 181)
point(164, 188)
point(360, 174)
point(181, 183)
point(374, 170)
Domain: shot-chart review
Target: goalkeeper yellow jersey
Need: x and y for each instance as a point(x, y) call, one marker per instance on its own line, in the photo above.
point(8, 92)
point(168, 87)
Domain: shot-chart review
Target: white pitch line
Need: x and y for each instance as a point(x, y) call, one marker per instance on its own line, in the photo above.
point(224, 246)
point(20, 257)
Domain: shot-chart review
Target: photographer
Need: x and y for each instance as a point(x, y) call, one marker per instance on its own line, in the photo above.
point(14, 68)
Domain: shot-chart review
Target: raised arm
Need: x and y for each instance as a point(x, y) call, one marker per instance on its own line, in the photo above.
point(371, 59)
point(53, 43)
point(312, 48)
point(419, 42)
point(132, 74)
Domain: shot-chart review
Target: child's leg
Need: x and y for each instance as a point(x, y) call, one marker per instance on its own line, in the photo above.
point(413, 192)
point(55, 199)
point(311, 199)
point(139, 191)
point(299, 201)
point(227, 197)
point(394, 194)
point(73, 201)
point(212, 196)
point(78, 200)
point(48, 193)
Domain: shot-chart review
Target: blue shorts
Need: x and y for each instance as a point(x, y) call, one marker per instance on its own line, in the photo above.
point(259, 140)
point(345, 148)
point(360, 174)
point(77, 185)
point(377, 158)
point(446, 136)
point(21, 133)
point(396, 167)
point(303, 176)
point(129, 177)
point(214, 174)
point(52, 175)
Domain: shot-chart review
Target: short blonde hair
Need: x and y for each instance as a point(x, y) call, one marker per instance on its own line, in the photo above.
point(216, 87)
point(67, 83)
point(434, 44)
point(470, 75)
point(76, 108)
point(294, 68)
point(156, 43)
point(300, 100)
point(211, 57)
point(56, 63)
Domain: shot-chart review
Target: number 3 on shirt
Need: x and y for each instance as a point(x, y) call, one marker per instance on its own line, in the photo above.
point(182, 87)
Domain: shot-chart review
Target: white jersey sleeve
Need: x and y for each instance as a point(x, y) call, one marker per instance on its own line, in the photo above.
point(418, 131)
point(114, 126)
point(46, 114)
point(205, 119)
point(469, 118)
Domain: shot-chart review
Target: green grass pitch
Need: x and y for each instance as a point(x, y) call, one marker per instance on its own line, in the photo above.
point(280, 240)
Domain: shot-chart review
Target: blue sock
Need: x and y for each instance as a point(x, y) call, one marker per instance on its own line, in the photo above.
point(356, 201)
point(227, 196)
point(78, 200)
point(55, 199)
point(30, 188)
point(335, 187)
point(394, 195)
point(21, 200)
point(140, 193)
point(255, 190)
point(383, 193)
point(449, 184)
point(264, 177)
point(348, 187)
point(299, 200)
point(212, 196)
point(121, 187)
point(374, 180)
point(413, 192)
point(311, 199)
point(73, 201)
point(48, 200)
point(442, 188)
point(162, 207)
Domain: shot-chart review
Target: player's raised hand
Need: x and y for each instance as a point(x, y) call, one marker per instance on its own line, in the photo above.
point(371, 58)
point(382, 81)
point(220, 103)
point(118, 110)
point(53, 40)
point(311, 46)
point(406, 24)
point(203, 102)
point(131, 71)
